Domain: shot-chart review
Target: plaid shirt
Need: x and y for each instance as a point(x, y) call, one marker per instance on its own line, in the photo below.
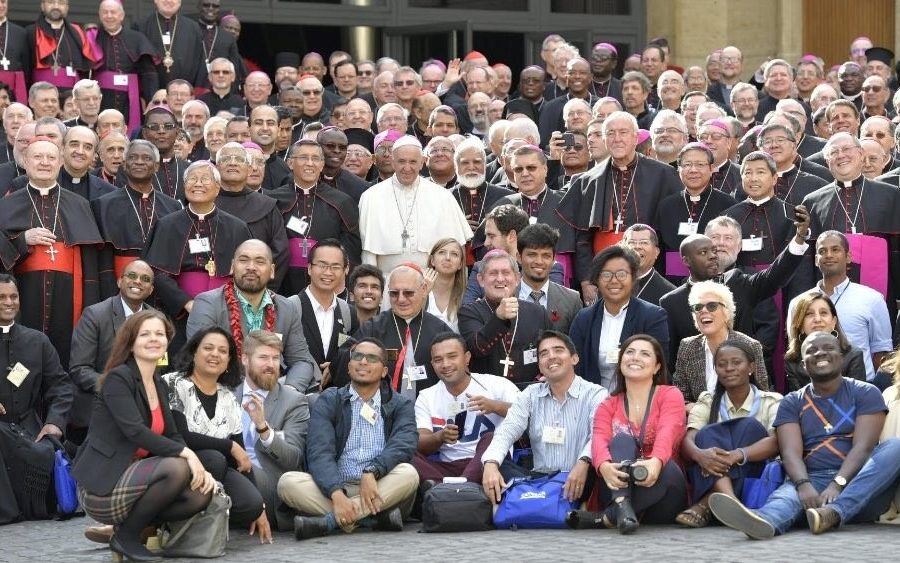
point(365, 441)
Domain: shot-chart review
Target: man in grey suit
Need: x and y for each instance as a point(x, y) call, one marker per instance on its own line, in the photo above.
point(93, 336)
point(537, 246)
point(275, 419)
point(248, 303)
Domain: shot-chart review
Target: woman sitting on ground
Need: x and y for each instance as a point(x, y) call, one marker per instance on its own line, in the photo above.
point(730, 434)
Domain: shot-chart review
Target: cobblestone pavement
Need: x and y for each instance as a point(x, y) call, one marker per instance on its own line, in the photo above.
point(63, 541)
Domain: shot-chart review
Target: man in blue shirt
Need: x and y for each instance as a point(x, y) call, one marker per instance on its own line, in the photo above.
point(362, 438)
point(827, 432)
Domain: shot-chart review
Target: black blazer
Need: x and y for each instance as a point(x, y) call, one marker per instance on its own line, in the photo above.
point(314, 337)
point(120, 425)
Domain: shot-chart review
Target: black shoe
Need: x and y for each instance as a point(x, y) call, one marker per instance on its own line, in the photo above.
point(585, 520)
point(130, 552)
point(306, 527)
point(426, 486)
point(389, 521)
point(626, 520)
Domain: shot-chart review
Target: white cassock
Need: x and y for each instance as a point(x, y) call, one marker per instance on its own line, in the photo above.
point(400, 224)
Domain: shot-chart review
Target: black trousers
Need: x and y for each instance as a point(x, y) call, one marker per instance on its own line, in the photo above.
point(246, 500)
point(659, 504)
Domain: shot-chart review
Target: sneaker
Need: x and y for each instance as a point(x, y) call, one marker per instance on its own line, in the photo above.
point(822, 519)
point(733, 514)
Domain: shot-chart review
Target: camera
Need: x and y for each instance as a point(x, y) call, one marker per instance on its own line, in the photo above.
point(568, 140)
point(636, 473)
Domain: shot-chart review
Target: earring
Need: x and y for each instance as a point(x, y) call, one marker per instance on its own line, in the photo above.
point(834, 333)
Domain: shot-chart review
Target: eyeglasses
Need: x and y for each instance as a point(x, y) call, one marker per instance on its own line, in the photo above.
point(195, 180)
point(358, 154)
point(306, 158)
point(693, 165)
point(366, 72)
point(258, 162)
point(712, 306)
point(713, 137)
point(369, 358)
point(621, 275)
point(531, 168)
point(383, 150)
point(771, 142)
point(729, 59)
point(668, 130)
point(315, 92)
point(230, 159)
point(400, 83)
point(870, 88)
point(337, 115)
point(407, 293)
point(156, 127)
point(876, 134)
point(328, 267)
point(134, 276)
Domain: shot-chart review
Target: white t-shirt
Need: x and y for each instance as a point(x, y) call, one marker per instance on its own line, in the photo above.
point(436, 405)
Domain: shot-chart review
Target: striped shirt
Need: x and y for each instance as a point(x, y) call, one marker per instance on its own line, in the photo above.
point(536, 410)
point(365, 441)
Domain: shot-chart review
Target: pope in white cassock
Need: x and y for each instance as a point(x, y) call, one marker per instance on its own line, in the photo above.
point(402, 217)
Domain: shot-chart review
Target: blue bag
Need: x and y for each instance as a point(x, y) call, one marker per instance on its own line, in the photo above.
point(535, 502)
point(758, 489)
point(63, 483)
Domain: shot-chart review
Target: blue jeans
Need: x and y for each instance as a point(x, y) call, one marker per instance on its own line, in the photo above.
point(865, 497)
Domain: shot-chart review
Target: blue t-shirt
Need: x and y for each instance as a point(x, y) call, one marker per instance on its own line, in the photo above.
point(829, 422)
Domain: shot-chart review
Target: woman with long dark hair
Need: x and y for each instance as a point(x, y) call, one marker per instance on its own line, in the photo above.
point(133, 469)
point(730, 434)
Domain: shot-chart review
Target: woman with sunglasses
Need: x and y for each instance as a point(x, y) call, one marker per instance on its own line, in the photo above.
point(730, 434)
point(813, 312)
point(712, 305)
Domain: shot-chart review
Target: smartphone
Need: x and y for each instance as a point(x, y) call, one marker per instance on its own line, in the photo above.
point(568, 140)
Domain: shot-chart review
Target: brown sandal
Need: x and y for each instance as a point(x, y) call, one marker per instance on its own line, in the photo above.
point(696, 516)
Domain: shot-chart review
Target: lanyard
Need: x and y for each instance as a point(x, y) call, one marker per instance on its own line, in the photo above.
point(639, 441)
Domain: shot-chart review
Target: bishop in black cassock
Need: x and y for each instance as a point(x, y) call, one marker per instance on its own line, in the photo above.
point(475, 204)
point(178, 45)
point(686, 213)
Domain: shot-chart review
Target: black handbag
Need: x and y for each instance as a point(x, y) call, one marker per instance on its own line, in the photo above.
point(29, 467)
point(456, 507)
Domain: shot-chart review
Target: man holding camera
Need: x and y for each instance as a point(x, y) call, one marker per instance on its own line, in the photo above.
point(558, 415)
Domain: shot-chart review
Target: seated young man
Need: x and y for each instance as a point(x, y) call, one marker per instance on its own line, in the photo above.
point(827, 433)
point(361, 440)
point(457, 416)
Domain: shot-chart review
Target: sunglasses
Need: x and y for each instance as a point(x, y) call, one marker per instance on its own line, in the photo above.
point(134, 276)
point(399, 83)
point(875, 89)
point(160, 126)
point(407, 293)
point(712, 306)
point(311, 92)
point(370, 358)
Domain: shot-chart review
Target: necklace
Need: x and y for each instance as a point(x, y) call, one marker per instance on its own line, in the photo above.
point(168, 61)
point(51, 250)
point(55, 54)
point(506, 362)
point(210, 266)
point(473, 194)
point(404, 235)
point(144, 234)
point(620, 206)
point(791, 187)
point(688, 207)
point(165, 165)
point(862, 193)
point(4, 62)
point(208, 52)
point(312, 211)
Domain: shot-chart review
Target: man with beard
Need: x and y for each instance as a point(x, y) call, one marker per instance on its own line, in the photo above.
point(650, 284)
point(669, 135)
point(287, 69)
point(313, 211)
point(160, 129)
point(56, 49)
point(127, 72)
point(732, 65)
point(178, 42)
point(850, 80)
point(111, 155)
point(793, 184)
point(275, 419)
point(688, 211)
point(52, 243)
point(217, 43)
point(259, 211)
point(473, 194)
point(578, 77)
point(245, 304)
point(334, 145)
point(126, 216)
point(263, 132)
point(635, 92)
point(500, 329)
point(194, 115)
point(604, 58)
point(745, 104)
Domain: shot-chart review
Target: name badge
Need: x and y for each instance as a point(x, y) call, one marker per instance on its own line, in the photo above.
point(687, 228)
point(751, 244)
point(198, 245)
point(341, 338)
point(368, 413)
point(208, 67)
point(529, 356)
point(17, 374)
point(120, 79)
point(416, 373)
point(532, 220)
point(554, 435)
point(612, 355)
point(166, 38)
point(279, 335)
point(71, 71)
point(298, 225)
point(164, 361)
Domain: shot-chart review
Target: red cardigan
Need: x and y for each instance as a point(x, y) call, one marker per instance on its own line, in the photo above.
point(665, 425)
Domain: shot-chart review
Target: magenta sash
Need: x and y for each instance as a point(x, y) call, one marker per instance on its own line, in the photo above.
point(60, 80)
point(674, 265)
point(299, 254)
point(565, 260)
point(195, 283)
point(16, 81)
point(107, 80)
point(871, 254)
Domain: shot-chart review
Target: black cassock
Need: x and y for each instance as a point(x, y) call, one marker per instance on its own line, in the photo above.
point(64, 48)
point(694, 214)
point(727, 179)
point(218, 43)
point(264, 220)
point(327, 214)
point(185, 43)
point(391, 331)
point(277, 173)
point(488, 338)
point(52, 299)
point(475, 204)
point(170, 178)
point(127, 52)
point(9, 171)
point(604, 196)
point(15, 49)
point(794, 185)
point(347, 183)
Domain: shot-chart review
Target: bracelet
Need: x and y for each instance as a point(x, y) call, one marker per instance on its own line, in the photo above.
point(263, 430)
point(744, 454)
point(492, 461)
point(800, 483)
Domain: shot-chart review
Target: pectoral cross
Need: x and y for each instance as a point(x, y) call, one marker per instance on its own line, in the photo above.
point(305, 248)
point(211, 268)
point(51, 250)
point(405, 236)
point(4, 62)
point(618, 223)
point(506, 363)
point(55, 68)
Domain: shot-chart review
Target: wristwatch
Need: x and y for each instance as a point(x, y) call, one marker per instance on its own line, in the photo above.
point(840, 481)
point(371, 469)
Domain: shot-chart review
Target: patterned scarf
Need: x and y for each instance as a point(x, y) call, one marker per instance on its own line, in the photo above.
point(235, 317)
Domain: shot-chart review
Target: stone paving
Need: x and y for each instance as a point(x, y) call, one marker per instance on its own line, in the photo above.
point(63, 542)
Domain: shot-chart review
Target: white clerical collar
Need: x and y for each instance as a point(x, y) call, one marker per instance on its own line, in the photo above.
point(537, 195)
point(116, 32)
point(201, 216)
point(6, 329)
point(846, 97)
point(646, 274)
point(3, 21)
point(724, 163)
point(758, 202)
point(849, 184)
point(305, 190)
point(785, 171)
point(43, 191)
